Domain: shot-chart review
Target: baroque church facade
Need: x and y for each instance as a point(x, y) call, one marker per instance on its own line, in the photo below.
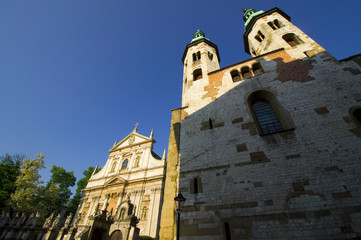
point(122, 200)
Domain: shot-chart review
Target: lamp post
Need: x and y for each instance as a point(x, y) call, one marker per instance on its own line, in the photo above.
point(180, 200)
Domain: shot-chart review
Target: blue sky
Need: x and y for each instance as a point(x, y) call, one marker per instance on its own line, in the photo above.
point(77, 75)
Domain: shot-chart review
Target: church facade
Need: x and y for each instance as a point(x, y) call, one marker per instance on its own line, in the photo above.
point(267, 148)
point(123, 199)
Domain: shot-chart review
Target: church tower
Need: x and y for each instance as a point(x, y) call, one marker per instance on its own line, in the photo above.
point(272, 30)
point(200, 58)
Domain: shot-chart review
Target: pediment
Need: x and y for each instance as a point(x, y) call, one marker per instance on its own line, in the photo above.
point(115, 180)
point(132, 139)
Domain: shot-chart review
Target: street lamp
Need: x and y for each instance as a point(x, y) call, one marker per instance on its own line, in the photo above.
point(180, 200)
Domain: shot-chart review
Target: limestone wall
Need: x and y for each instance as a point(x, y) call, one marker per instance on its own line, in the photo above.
point(301, 182)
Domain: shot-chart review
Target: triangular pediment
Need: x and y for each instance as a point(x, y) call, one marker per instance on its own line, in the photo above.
point(134, 138)
point(115, 180)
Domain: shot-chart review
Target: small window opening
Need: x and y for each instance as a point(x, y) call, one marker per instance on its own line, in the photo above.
point(210, 124)
point(198, 55)
point(195, 185)
point(261, 35)
point(124, 164)
point(278, 23)
point(357, 114)
point(292, 39)
point(272, 25)
point(257, 69)
point(227, 230)
point(210, 56)
point(194, 57)
point(246, 73)
point(235, 76)
point(197, 74)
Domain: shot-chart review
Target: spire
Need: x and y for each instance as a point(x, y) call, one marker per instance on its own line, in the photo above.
point(198, 35)
point(164, 153)
point(151, 134)
point(136, 127)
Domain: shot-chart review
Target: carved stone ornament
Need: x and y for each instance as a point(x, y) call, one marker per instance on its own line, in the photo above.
point(131, 139)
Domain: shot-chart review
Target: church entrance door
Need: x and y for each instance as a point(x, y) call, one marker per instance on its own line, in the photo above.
point(116, 235)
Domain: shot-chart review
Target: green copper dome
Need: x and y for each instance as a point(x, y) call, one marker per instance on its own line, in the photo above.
point(198, 35)
point(249, 14)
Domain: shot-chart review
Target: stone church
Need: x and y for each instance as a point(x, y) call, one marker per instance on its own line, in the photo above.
point(266, 148)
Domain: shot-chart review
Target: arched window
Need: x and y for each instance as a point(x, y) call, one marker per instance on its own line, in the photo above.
point(197, 74)
point(125, 164)
point(278, 23)
point(268, 114)
point(266, 117)
point(246, 73)
point(198, 55)
point(292, 39)
point(194, 57)
point(257, 69)
point(235, 76)
point(272, 25)
point(275, 24)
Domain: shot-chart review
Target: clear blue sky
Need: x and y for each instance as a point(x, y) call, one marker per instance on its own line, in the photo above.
point(75, 75)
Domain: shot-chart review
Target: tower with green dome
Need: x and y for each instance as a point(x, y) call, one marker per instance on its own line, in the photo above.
point(200, 57)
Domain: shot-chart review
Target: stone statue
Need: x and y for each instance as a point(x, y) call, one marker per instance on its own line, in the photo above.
point(47, 223)
point(56, 221)
point(67, 221)
point(77, 220)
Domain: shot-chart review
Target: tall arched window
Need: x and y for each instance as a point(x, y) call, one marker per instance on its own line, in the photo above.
point(268, 114)
point(125, 164)
point(266, 117)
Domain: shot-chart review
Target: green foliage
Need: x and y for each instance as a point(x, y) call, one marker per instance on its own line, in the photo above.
point(63, 180)
point(81, 184)
point(9, 170)
point(27, 184)
point(146, 238)
point(48, 199)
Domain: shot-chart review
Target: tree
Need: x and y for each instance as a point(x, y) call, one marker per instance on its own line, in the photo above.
point(27, 184)
point(81, 184)
point(9, 170)
point(63, 180)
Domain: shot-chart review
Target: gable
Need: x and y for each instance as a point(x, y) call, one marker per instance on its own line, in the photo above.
point(132, 139)
point(115, 180)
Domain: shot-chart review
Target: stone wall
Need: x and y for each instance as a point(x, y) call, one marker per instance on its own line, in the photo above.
point(299, 183)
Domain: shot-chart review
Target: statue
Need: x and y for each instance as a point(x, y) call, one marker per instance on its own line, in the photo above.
point(77, 220)
point(67, 221)
point(56, 221)
point(47, 223)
